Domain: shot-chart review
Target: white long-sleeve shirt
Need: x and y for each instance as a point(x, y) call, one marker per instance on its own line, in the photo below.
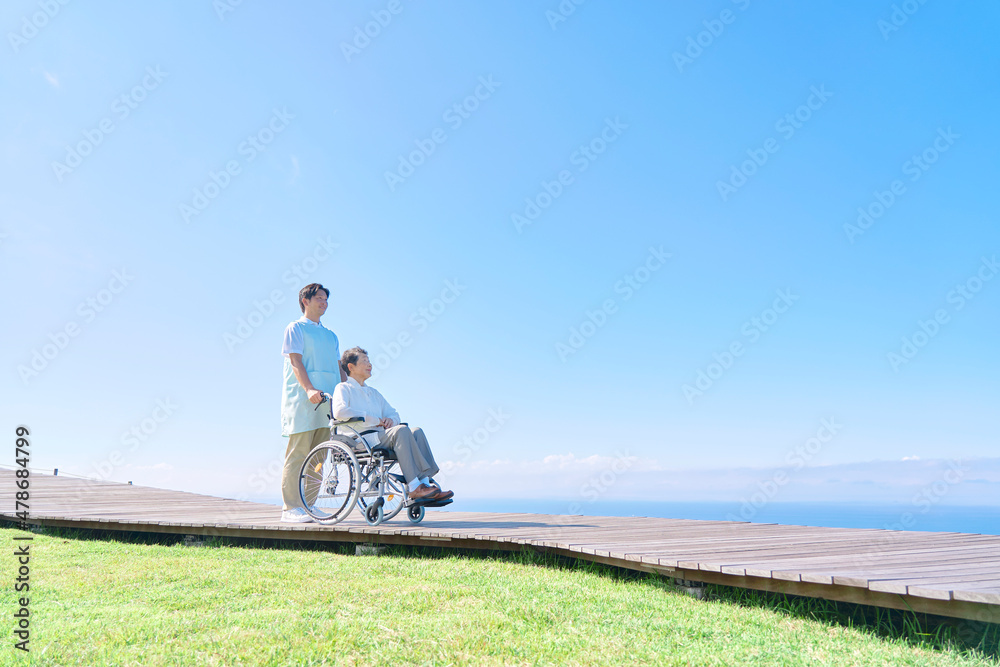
point(355, 401)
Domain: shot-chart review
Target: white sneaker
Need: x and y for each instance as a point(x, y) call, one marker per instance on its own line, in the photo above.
point(295, 515)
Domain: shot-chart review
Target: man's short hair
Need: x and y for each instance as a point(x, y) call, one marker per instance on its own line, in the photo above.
point(308, 292)
point(351, 357)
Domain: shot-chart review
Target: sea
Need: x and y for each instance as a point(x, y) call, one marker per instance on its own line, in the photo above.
point(936, 518)
point(982, 519)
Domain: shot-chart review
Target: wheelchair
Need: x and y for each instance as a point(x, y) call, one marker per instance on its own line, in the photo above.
point(351, 469)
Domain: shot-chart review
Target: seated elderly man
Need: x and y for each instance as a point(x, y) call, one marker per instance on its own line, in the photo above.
point(354, 399)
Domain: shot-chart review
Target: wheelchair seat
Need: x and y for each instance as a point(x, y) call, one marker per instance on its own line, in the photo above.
point(387, 453)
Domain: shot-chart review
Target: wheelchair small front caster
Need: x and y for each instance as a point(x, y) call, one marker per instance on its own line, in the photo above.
point(374, 514)
point(415, 513)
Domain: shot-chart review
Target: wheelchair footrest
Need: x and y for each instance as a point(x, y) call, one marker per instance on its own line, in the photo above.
point(434, 503)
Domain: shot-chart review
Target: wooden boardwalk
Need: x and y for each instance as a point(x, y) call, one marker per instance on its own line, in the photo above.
point(951, 574)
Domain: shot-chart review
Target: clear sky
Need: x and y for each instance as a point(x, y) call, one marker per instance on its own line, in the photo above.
point(626, 232)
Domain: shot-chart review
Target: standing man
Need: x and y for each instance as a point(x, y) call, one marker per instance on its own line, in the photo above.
point(312, 367)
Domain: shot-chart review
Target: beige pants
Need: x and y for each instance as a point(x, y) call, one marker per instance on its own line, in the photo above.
point(299, 446)
point(412, 450)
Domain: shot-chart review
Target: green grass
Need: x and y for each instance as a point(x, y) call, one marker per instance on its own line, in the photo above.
point(106, 602)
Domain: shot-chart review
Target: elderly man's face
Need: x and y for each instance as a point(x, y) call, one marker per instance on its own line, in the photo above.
point(362, 369)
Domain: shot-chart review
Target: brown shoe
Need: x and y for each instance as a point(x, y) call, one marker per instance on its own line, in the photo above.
point(443, 495)
point(423, 492)
point(437, 487)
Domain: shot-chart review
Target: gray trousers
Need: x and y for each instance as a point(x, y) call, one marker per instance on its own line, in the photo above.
point(412, 450)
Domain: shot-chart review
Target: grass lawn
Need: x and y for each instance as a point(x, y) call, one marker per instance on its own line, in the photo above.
point(102, 602)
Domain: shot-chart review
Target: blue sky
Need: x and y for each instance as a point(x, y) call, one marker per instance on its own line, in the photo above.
point(618, 123)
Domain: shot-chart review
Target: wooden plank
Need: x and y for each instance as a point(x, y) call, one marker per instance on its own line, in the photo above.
point(785, 568)
point(900, 584)
point(825, 574)
point(867, 577)
point(985, 594)
point(733, 559)
point(767, 554)
point(947, 590)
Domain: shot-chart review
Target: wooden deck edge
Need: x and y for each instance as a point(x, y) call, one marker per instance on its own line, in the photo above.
point(973, 611)
point(969, 610)
point(294, 532)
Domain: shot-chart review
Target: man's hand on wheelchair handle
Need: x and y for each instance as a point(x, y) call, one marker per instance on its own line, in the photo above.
point(315, 396)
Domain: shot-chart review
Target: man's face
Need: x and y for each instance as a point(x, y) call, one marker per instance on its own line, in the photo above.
point(317, 305)
point(363, 368)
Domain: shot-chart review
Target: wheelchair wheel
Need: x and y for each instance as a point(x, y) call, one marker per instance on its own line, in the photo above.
point(374, 515)
point(328, 482)
point(415, 513)
point(393, 495)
